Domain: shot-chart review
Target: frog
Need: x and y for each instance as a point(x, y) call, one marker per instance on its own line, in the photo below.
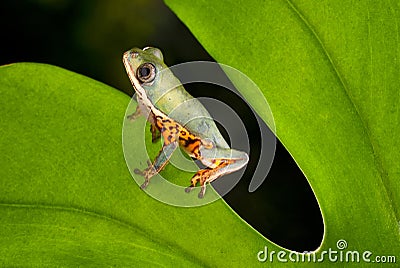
point(159, 94)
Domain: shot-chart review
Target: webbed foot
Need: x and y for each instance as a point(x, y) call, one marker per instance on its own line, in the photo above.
point(147, 173)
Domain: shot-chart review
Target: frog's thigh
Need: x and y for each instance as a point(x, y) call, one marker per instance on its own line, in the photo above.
point(229, 160)
point(225, 166)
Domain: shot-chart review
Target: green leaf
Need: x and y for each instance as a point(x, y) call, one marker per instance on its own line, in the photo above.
point(67, 197)
point(330, 71)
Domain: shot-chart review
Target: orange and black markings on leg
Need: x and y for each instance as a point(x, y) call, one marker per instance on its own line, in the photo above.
point(203, 175)
point(199, 177)
point(155, 133)
point(221, 162)
point(169, 129)
point(173, 131)
point(190, 144)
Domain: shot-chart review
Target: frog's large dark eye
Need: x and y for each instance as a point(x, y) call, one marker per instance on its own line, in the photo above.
point(146, 72)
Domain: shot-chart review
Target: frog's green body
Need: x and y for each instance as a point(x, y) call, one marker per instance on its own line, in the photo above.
point(180, 118)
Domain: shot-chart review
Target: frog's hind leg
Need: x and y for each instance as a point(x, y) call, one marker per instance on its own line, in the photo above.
point(217, 167)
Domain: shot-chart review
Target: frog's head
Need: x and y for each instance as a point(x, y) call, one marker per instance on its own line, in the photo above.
point(143, 67)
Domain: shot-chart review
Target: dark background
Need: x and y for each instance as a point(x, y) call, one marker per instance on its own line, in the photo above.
point(89, 37)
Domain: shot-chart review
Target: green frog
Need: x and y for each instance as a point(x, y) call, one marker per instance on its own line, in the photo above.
point(159, 95)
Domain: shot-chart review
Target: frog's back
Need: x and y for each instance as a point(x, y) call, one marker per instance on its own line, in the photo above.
point(178, 104)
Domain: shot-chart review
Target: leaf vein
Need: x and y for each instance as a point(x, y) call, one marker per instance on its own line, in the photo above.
point(377, 161)
point(127, 225)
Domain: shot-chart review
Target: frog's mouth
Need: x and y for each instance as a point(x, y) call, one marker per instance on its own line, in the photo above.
point(128, 58)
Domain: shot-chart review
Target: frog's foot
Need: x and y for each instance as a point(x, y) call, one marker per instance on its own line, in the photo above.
point(143, 172)
point(132, 117)
point(201, 176)
point(145, 184)
point(147, 176)
point(135, 115)
point(147, 173)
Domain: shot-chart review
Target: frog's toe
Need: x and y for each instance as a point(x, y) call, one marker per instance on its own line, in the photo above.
point(189, 189)
point(202, 191)
point(144, 185)
point(133, 116)
point(138, 171)
point(147, 172)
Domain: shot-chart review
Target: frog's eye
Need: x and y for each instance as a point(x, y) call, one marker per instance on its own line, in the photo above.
point(146, 72)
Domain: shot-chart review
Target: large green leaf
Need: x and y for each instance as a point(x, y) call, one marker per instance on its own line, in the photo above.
point(67, 198)
point(330, 71)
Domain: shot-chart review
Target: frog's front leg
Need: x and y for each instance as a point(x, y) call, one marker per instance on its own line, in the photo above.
point(159, 162)
point(220, 162)
point(170, 132)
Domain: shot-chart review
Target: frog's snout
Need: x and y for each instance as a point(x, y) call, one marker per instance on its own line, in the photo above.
point(131, 59)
